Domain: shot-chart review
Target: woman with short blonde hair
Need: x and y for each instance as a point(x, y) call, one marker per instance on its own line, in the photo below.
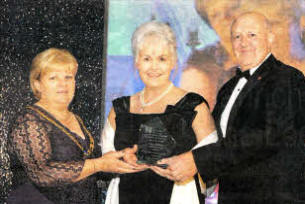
point(48, 60)
point(54, 155)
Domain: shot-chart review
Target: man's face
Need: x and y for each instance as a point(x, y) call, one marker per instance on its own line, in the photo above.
point(280, 14)
point(250, 40)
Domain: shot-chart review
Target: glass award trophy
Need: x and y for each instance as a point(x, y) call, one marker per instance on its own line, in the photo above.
point(155, 142)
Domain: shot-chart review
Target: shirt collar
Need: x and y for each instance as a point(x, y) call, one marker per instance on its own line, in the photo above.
point(252, 70)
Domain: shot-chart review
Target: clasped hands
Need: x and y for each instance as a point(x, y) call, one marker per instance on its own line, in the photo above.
point(179, 168)
point(123, 161)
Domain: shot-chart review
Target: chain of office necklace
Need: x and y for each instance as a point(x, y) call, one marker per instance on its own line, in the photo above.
point(143, 104)
point(91, 145)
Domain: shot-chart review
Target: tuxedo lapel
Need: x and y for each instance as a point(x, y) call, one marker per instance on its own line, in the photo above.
point(224, 97)
point(222, 100)
point(254, 80)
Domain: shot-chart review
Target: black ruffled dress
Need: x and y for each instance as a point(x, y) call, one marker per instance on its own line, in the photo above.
point(148, 187)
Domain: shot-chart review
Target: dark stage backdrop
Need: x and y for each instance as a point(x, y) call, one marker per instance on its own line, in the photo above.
point(28, 27)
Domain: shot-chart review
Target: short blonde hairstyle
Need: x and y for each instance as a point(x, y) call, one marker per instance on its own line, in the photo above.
point(150, 28)
point(48, 60)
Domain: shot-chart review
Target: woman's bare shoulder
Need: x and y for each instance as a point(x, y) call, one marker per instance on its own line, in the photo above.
point(134, 98)
point(179, 92)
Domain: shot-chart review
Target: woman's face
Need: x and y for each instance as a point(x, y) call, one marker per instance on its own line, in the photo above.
point(155, 61)
point(57, 86)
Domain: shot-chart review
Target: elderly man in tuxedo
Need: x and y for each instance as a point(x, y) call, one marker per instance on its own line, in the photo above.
point(259, 115)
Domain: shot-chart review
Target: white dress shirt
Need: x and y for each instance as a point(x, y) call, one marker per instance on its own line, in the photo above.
point(239, 86)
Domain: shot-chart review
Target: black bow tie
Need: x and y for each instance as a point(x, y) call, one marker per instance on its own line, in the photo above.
point(241, 74)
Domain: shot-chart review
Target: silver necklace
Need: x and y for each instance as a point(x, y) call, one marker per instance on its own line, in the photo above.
point(143, 104)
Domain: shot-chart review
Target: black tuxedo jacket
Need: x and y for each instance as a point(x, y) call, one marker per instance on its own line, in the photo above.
point(261, 159)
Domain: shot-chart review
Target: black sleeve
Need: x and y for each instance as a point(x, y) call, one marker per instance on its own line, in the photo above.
point(282, 123)
point(32, 146)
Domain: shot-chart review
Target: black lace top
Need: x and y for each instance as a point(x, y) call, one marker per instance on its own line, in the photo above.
point(50, 156)
point(146, 186)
